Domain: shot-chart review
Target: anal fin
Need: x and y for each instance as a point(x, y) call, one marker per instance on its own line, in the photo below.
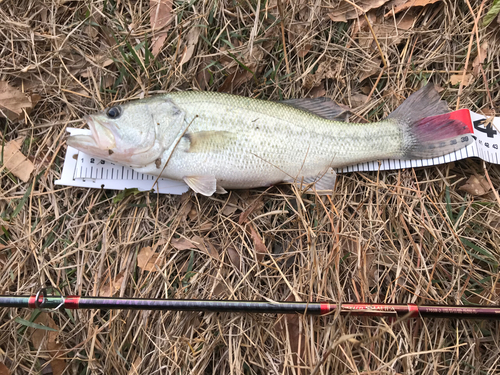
point(322, 184)
point(205, 185)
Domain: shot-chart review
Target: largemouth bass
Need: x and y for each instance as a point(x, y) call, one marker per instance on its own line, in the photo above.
point(217, 141)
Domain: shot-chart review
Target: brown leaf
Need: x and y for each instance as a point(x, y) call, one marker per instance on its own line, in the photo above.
point(109, 289)
point(304, 50)
point(386, 33)
point(148, 259)
point(481, 56)
point(160, 16)
point(134, 369)
point(406, 21)
point(231, 205)
point(193, 214)
point(13, 101)
point(191, 41)
point(455, 79)
point(186, 205)
point(50, 342)
point(220, 290)
point(254, 206)
point(260, 248)
point(4, 370)
point(160, 13)
point(235, 80)
point(16, 162)
point(182, 243)
point(414, 3)
point(358, 100)
point(476, 185)
point(326, 70)
point(234, 257)
point(346, 11)
point(3, 260)
point(317, 92)
point(203, 75)
point(206, 246)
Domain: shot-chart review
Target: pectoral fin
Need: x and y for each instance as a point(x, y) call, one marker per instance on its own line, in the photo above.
point(205, 185)
point(323, 184)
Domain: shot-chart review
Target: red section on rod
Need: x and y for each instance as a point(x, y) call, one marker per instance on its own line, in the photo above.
point(71, 302)
point(324, 308)
point(413, 310)
point(31, 302)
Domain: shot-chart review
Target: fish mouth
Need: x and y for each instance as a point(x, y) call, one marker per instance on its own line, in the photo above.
point(103, 137)
point(100, 142)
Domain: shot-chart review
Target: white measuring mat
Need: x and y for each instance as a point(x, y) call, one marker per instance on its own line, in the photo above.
point(84, 170)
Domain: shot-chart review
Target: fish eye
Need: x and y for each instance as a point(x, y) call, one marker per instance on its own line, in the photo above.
point(114, 112)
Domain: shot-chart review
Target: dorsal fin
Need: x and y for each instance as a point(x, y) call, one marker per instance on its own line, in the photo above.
point(322, 107)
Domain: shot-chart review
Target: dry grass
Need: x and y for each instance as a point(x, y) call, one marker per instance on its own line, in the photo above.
point(383, 237)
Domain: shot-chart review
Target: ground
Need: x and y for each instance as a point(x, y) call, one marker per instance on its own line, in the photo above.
point(391, 236)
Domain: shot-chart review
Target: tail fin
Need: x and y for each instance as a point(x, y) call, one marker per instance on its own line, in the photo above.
point(429, 130)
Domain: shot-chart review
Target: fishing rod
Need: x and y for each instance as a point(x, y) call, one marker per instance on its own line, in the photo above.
point(43, 301)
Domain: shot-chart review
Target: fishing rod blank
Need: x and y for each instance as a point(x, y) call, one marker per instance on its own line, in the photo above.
point(42, 301)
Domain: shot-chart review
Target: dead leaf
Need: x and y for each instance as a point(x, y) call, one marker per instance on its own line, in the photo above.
point(16, 162)
point(234, 257)
point(235, 80)
point(413, 3)
point(3, 260)
point(206, 246)
point(185, 205)
point(476, 185)
point(455, 79)
point(254, 206)
point(406, 21)
point(134, 369)
point(386, 33)
point(346, 11)
point(203, 75)
point(193, 214)
point(260, 248)
point(481, 56)
point(326, 70)
point(182, 243)
point(49, 341)
point(317, 92)
point(4, 370)
point(109, 289)
point(13, 101)
point(304, 50)
point(148, 259)
point(191, 41)
point(220, 290)
point(358, 100)
point(231, 205)
point(160, 16)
